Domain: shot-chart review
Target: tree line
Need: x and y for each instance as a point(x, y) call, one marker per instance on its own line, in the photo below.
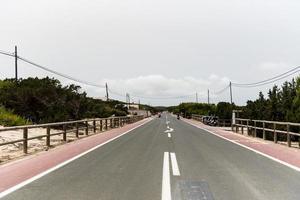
point(280, 104)
point(47, 100)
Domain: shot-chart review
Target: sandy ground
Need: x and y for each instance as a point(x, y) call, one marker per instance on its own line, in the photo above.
point(14, 151)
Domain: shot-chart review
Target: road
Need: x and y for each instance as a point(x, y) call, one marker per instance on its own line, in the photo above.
point(167, 159)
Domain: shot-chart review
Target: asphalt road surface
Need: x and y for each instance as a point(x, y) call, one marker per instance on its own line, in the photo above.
point(167, 159)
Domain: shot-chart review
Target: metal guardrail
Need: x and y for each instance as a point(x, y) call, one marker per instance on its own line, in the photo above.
point(264, 127)
point(97, 124)
point(221, 122)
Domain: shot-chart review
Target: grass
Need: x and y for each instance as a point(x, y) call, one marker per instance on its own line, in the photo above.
point(7, 118)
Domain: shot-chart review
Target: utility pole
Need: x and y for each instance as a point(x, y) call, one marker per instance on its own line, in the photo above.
point(16, 63)
point(106, 87)
point(128, 100)
point(230, 92)
point(197, 97)
point(139, 103)
point(208, 96)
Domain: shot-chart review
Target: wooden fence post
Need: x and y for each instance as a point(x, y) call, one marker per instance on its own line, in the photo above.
point(111, 122)
point(48, 137)
point(288, 135)
point(242, 127)
point(86, 127)
point(65, 132)
point(77, 130)
point(299, 140)
point(101, 125)
point(105, 124)
point(255, 132)
point(25, 142)
point(275, 133)
point(264, 131)
point(94, 126)
point(247, 127)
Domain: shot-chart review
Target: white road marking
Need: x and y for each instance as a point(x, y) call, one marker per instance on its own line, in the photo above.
point(168, 127)
point(166, 184)
point(26, 182)
point(255, 151)
point(169, 135)
point(175, 167)
point(169, 130)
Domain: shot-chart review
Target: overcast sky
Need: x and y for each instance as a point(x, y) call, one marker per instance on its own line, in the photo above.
point(154, 48)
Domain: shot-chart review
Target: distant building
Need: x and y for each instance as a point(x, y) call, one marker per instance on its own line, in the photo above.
point(133, 106)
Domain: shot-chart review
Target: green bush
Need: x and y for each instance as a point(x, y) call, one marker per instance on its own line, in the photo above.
point(7, 118)
point(47, 100)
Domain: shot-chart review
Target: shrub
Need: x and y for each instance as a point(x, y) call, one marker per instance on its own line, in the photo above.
point(7, 118)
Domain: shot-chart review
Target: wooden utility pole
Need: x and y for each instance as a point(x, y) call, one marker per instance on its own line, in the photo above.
point(106, 87)
point(208, 96)
point(197, 97)
point(16, 63)
point(139, 103)
point(128, 100)
point(230, 92)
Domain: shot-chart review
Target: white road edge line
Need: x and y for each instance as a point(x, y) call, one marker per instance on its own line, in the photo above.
point(169, 135)
point(166, 184)
point(174, 163)
point(22, 184)
point(255, 151)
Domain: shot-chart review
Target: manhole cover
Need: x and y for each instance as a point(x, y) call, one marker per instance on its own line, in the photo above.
point(192, 190)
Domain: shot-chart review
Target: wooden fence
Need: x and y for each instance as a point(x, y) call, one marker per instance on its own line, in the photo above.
point(220, 122)
point(274, 129)
point(94, 125)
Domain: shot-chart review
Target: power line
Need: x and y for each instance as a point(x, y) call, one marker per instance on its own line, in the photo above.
point(222, 90)
point(259, 83)
point(242, 85)
point(61, 74)
point(148, 97)
point(269, 80)
point(282, 76)
point(7, 53)
point(163, 97)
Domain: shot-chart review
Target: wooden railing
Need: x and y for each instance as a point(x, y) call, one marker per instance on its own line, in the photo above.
point(272, 129)
point(220, 122)
point(197, 117)
point(87, 125)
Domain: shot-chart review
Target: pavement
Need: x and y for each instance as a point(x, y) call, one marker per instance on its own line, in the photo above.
point(163, 158)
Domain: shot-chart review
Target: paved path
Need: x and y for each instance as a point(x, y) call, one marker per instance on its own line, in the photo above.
point(166, 159)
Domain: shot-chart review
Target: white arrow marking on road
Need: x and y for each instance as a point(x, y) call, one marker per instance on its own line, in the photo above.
point(169, 130)
point(169, 135)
